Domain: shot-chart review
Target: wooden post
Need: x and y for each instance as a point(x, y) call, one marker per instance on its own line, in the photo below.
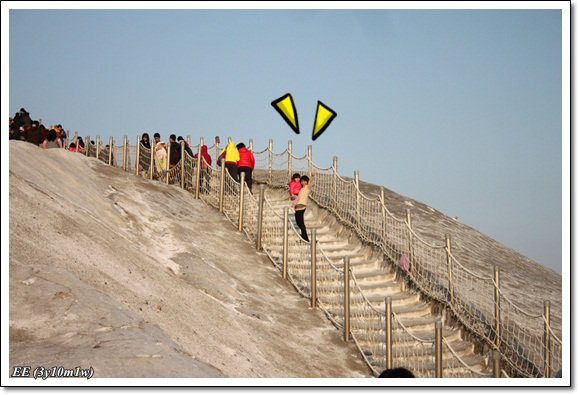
point(438, 348)
point(241, 203)
point(313, 273)
point(449, 270)
point(547, 339)
point(388, 356)
point(285, 242)
point(258, 245)
point(497, 279)
point(346, 298)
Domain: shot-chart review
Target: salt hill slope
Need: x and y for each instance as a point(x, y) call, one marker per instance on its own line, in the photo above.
point(137, 279)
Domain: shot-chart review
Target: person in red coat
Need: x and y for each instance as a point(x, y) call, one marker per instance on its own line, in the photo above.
point(204, 174)
point(245, 164)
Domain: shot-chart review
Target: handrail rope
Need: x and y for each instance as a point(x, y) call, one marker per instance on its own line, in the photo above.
point(361, 350)
point(299, 158)
point(464, 364)
point(423, 341)
point(454, 260)
point(520, 310)
point(353, 277)
point(419, 238)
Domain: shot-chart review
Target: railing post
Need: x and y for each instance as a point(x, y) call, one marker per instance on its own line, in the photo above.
point(410, 244)
point(388, 356)
point(497, 280)
point(138, 160)
point(547, 340)
point(250, 145)
point(152, 165)
point(269, 161)
point(310, 166)
point(285, 242)
point(496, 356)
point(222, 187)
point(168, 167)
point(198, 169)
point(313, 279)
point(111, 146)
point(98, 146)
point(182, 164)
point(86, 145)
point(125, 151)
point(188, 139)
point(383, 208)
point(289, 160)
point(260, 217)
point(449, 268)
point(346, 298)
point(438, 348)
point(335, 183)
point(75, 141)
point(357, 184)
point(241, 194)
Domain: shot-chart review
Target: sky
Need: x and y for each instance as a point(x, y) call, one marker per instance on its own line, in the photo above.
point(466, 110)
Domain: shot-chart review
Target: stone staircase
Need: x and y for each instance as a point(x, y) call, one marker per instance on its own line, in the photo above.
point(377, 279)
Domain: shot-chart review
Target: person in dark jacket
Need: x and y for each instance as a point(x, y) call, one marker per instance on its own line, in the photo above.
point(245, 164)
point(175, 148)
point(187, 147)
point(145, 142)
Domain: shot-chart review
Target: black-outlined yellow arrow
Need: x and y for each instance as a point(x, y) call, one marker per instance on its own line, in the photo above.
point(324, 116)
point(286, 108)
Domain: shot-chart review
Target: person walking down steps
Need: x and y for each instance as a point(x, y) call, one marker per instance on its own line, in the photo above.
point(301, 202)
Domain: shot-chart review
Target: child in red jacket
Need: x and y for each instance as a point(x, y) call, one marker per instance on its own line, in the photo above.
point(294, 186)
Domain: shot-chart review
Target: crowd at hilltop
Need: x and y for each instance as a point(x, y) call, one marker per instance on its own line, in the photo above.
point(23, 127)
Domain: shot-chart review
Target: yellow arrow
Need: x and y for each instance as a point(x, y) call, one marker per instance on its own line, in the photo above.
point(286, 108)
point(324, 116)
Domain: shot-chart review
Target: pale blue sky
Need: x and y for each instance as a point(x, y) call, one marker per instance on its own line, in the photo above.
point(459, 109)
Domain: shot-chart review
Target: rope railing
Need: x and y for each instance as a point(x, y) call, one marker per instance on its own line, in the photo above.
point(526, 342)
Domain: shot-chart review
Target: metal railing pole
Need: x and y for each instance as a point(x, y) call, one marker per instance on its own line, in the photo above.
point(289, 160)
point(410, 244)
point(258, 245)
point(335, 183)
point(222, 188)
point(388, 355)
point(357, 183)
point(98, 146)
point(137, 161)
point(497, 280)
point(269, 162)
point(449, 269)
point(152, 165)
point(438, 348)
point(168, 167)
point(198, 170)
point(285, 242)
point(383, 208)
point(241, 194)
point(125, 151)
point(182, 164)
point(310, 166)
point(346, 298)
point(313, 279)
point(111, 146)
point(496, 359)
point(547, 354)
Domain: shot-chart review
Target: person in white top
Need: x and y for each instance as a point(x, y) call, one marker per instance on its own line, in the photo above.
point(300, 204)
